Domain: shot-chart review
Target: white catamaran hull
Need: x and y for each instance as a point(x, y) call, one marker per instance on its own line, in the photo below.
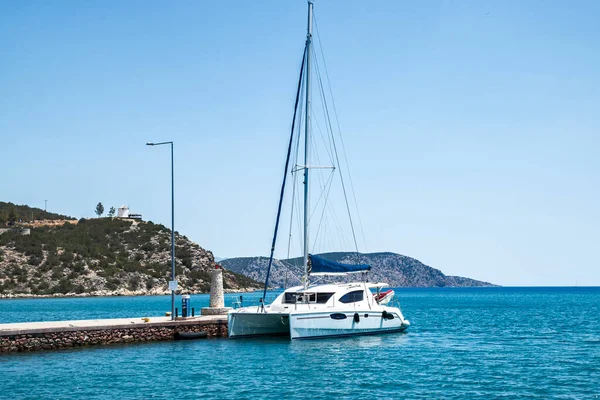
point(312, 325)
point(248, 323)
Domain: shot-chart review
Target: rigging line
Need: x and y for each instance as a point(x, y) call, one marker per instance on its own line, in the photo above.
point(326, 142)
point(329, 236)
point(292, 213)
point(323, 185)
point(299, 213)
point(299, 134)
point(299, 218)
point(322, 208)
point(285, 173)
point(286, 263)
point(328, 150)
point(298, 130)
point(330, 181)
point(339, 230)
point(295, 174)
point(323, 102)
point(341, 174)
point(291, 269)
point(319, 174)
point(340, 131)
point(332, 145)
point(321, 196)
point(325, 196)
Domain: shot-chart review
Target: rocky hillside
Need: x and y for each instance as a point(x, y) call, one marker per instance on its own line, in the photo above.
point(395, 269)
point(105, 256)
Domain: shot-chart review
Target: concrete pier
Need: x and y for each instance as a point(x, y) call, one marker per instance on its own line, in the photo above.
point(32, 336)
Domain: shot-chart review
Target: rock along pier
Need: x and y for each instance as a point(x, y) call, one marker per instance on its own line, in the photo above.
point(34, 336)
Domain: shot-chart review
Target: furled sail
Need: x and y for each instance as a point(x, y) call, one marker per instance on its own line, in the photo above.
point(319, 265)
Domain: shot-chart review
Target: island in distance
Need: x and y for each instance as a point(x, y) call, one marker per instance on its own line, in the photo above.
point(394, 269)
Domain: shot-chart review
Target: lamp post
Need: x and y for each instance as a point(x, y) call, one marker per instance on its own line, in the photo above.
point(173, 283)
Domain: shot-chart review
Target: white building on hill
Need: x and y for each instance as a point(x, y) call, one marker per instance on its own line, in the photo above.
point(123, 212)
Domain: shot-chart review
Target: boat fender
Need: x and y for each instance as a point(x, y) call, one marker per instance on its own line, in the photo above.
point(387, 315)
point(190, 335)
point(356, 318)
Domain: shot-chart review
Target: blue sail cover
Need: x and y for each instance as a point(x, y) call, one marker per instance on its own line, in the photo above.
point(320, 265)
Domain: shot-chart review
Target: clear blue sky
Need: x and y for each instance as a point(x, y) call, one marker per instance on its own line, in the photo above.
point(472, 128)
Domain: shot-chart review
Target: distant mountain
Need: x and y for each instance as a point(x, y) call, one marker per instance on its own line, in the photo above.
point(394, 269)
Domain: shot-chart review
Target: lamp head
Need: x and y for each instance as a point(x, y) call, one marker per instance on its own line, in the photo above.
point(149, 144)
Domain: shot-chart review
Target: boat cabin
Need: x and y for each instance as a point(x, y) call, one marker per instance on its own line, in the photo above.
point(357, 294)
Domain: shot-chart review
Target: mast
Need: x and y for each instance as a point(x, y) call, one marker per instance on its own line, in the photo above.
point(307, 140)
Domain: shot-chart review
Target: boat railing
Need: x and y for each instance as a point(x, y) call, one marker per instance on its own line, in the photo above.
point(240, 302)
point(395, 302)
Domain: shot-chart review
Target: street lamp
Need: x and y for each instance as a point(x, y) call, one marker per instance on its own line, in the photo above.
point(173, 283)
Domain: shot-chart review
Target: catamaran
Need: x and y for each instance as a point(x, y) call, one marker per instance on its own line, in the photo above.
point(310, 311)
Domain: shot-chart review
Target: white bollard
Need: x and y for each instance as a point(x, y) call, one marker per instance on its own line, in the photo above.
point(217, 298)
point(216, 288)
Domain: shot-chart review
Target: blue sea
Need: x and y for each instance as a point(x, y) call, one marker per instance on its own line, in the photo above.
point(475, 343)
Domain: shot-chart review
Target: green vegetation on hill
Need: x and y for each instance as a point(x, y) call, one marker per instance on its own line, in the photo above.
point(104, 256)
point(24, 213)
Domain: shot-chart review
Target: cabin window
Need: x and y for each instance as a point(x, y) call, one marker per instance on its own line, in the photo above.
point(319, 298)
point(323, 298)
point(293, 298)
point(352, 297)
point(308, 297)
point(290, 298)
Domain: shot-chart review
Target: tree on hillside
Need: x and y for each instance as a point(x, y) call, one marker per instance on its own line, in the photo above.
point(99, 210)
point(12, 217)
point(111, 212)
